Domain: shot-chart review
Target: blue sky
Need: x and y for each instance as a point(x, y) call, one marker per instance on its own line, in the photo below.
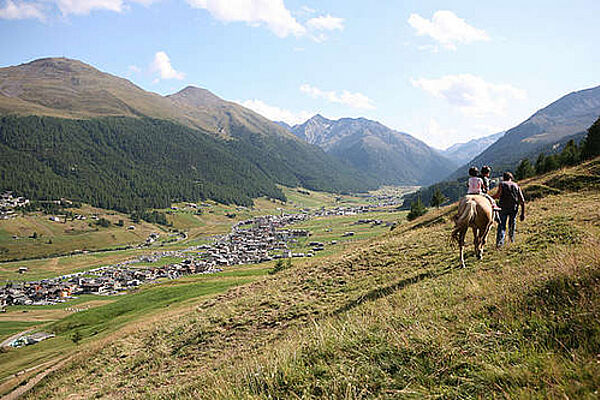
point(443, 71)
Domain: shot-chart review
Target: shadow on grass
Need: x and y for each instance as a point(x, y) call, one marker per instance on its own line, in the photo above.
point(385, 291)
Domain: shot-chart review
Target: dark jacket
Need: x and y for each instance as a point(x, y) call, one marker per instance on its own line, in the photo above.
point(510, 196)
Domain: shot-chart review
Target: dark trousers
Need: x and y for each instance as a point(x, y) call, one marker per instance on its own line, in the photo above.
point(511, 218)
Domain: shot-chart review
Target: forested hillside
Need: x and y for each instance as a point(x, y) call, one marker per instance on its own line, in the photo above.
point(123, 163)
point(70, 130)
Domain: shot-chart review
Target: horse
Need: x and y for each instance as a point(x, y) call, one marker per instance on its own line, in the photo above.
point(474, 211)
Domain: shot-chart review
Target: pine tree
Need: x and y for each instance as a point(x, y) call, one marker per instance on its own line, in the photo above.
point(524, 170)
point(437, 199)
point(540, 164)
point(417, 208)
point(570, 155)
point(552, 163)
point(591, 144)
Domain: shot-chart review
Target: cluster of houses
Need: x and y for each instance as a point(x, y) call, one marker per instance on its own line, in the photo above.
point(256, 240)
point(9, 203)
point(252, 241)
point(348, 210)
point(27, 340)
point(107, 280)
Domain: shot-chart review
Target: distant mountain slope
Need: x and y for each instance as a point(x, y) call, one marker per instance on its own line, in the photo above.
point(391, 157)
point(284, 124)
point(273, 148)
point(463, 152)
point(570, 115)
point(70, 89)
point(62, 87)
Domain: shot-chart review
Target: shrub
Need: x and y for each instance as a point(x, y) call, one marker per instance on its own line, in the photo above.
point(417, 208)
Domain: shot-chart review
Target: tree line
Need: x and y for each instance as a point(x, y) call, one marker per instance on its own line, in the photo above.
point(450, 191)
point(135, 164)
point(571, 154)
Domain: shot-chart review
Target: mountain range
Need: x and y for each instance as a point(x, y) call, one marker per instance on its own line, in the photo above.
point(545, 131)
point(463, 152)
point(389, 156)
point(74, 109)
point(70, 130)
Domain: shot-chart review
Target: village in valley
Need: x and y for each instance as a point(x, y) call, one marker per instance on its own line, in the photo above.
point(257, 240)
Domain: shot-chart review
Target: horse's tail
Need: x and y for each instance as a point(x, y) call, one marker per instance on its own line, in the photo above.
point(463, 219)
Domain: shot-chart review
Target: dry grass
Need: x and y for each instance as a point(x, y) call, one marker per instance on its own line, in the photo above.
point(393, 318)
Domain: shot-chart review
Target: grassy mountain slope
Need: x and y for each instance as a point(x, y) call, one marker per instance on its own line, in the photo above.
point(555, 124)
point(62, 87)
point(394, 318)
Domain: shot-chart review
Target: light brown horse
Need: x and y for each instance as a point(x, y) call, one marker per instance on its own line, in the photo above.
point(474, 211)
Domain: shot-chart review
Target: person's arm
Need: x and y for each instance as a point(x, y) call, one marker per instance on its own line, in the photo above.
point(498, 193)
point(522, 204)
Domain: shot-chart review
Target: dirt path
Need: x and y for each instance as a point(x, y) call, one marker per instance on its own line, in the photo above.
point(22, 389)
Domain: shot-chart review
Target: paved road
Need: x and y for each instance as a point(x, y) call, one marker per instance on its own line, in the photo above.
point(13, 337)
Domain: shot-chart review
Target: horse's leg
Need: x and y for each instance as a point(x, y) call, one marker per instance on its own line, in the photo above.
point(483, 238)
point(476, 242)
point(461, 246)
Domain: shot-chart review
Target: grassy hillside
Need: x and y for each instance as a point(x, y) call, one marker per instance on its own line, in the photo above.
point(393, 318)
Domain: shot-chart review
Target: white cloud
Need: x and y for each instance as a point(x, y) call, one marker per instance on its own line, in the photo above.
point(471, 94)
point(84, 7)
point(275, 113)
point(326, 23)
point(447, 28)
point(21, 10)
point(437, 136)
point(271, 13)
point(162, 65)
point(307, 10)
point(146, 2)
point(354, 100)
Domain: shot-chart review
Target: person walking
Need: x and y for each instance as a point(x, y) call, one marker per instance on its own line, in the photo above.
point(511, 198)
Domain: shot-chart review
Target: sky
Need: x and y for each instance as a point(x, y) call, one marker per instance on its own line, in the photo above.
point(443, 71)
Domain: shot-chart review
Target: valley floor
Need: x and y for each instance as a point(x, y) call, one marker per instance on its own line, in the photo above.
point(93, 317)
point(393, 318)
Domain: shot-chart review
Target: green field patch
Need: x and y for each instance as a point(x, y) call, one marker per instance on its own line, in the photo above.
point(100, 319)
point(9, 328)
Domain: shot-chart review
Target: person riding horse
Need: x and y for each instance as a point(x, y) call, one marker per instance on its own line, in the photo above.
point(476, 212)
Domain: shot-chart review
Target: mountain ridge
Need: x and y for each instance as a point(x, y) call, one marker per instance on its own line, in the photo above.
point(463, 152)
point(565, 118)
point(392, 157)
point(72, 90)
